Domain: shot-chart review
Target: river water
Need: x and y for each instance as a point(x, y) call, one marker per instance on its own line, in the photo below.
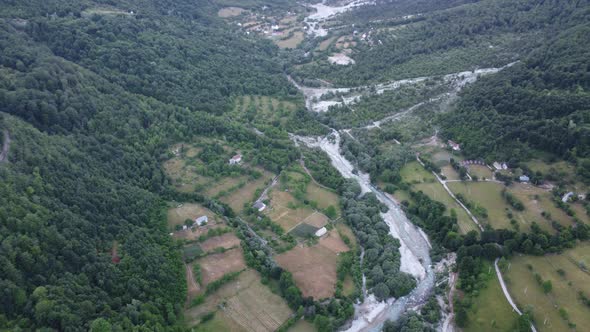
point(415, 258)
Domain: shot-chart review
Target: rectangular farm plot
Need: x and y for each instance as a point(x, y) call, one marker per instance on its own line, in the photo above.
point(226, 241)
point(489, 196)
point(317, 220)
point(257, 309)
point(214, 266)
point(249, 306)
point(481, 171)
point(314, 268)
point(564, 295)
point(286, 217)
point(413, 172)
point(450, 173)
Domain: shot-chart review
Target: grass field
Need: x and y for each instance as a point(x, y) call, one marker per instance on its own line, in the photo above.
point(490, 310)
point(482, 172)
point(226, 241)
point(314, 267)
point(323, 197)
point(280, 212)
point(326, 43)
point(292, 42)
point(177, 215)
point(237, 198)
point(487, 195)
point(436, 192)
point(420, 179)
point(230, 12)
point(581, 212)
point(248, 306)
point(449, 172)
point(214, 266)
point(345, 231)
point(302, 326)
point(221, 322)
point(537, 200)
point(566, 287)
point(413, 172)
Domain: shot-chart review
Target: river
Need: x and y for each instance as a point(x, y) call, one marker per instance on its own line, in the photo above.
point(370, 315)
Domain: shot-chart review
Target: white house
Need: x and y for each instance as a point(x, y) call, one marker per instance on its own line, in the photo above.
point(497, 165)
point(235, 160)
point(321, 232)
point(454, 146)
point(202, 220)
point(524, 178)
point(567, 197)
point(260, 206)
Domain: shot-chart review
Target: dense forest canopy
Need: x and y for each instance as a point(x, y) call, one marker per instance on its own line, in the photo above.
point(541, 103)
point(91, 103)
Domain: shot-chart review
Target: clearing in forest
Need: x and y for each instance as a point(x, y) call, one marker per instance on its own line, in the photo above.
point(292, 41)
point(230, 12)
point(570, 281)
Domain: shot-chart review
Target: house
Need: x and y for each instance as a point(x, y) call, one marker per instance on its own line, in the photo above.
point(274, 27)
point(524, 179)
point(454, 146)
point(567, 197)
point(497, 165)
point(321, 232)
point(235, 160)
point(504, 166)
point(260, 206)
point(202, 220)
point(184, 227)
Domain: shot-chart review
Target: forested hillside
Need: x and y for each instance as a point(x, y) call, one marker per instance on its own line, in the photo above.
point(434, 40)
point(541, 103)
point(92, 99)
